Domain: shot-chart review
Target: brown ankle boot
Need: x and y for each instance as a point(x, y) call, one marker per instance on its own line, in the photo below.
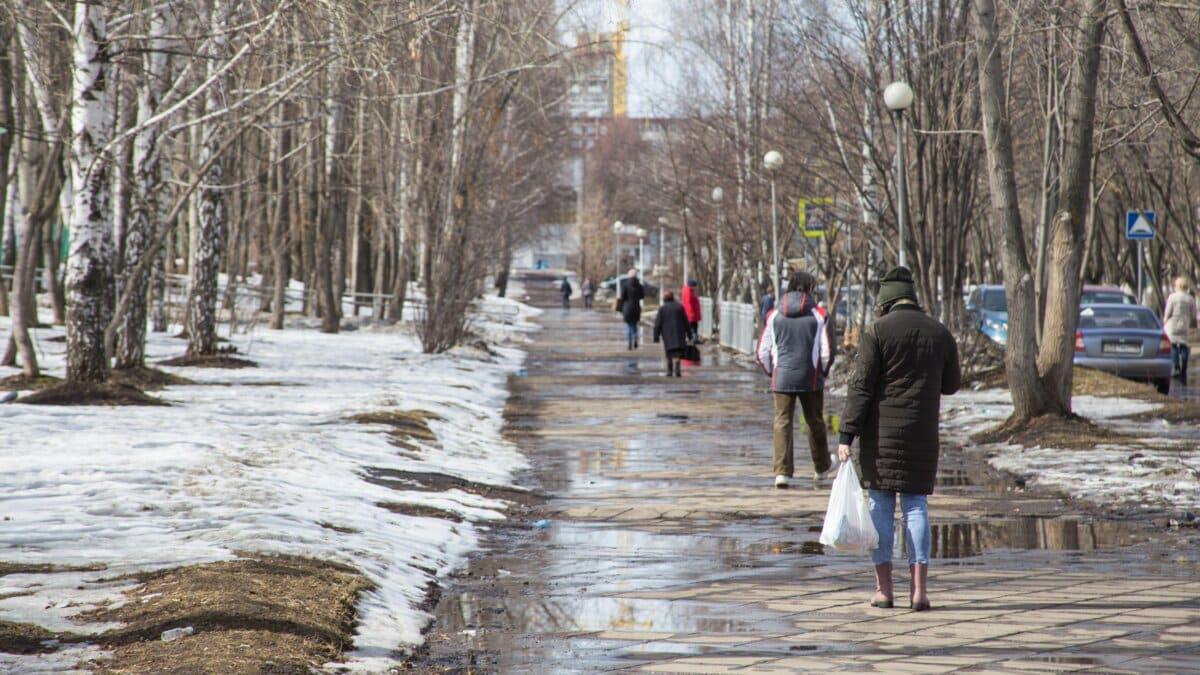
point(884, 592)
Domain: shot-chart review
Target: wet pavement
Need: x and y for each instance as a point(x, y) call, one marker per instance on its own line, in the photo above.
point(663, 546)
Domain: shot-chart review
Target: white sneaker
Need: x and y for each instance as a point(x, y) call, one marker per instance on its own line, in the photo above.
point(782, 481)
point(831, 471)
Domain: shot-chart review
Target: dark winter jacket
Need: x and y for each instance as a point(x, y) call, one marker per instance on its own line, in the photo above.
point(796, 347)
point(766, 305)
point(671, 326)
point(632, 294)
point(906, 362)
point(566, 289)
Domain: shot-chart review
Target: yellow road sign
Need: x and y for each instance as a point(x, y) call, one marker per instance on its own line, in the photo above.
point(816, 216)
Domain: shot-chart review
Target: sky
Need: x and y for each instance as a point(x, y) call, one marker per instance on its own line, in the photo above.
point(651, 67)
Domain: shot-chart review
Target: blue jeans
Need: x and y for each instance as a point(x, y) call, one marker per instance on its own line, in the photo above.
point(915, 510)
point(631, 333)
point(1179, 354)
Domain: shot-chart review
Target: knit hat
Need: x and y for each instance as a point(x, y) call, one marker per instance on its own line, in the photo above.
point(897, 284)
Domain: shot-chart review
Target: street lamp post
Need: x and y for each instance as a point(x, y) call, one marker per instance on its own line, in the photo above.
point(641, 235)
point(718, 195)
point(617, 228)
point(898, 97)
point(662, 235)
point(772, 162)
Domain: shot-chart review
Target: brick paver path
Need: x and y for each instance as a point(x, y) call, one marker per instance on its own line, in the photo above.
point(668, 549)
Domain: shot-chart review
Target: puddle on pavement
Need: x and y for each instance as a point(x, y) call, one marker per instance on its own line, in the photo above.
point(1025, 533)
point(970, 539)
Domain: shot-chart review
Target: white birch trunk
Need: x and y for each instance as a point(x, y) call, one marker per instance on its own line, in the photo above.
point(90, 265)
point(145, 204)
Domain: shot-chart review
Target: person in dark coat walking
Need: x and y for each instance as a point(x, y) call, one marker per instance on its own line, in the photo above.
point(907, 361)
point(671, 326)
point(796, 350)
point(766, 304)
point(630, 307)
point(566, 290)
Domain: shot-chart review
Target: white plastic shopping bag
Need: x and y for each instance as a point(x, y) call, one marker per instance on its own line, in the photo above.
point(848, 527)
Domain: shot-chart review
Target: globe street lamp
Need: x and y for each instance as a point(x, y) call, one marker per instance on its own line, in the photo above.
point(718, 195)
point(772, 163)
point(898, 97)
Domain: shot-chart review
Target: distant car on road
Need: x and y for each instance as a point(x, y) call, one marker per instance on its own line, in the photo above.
point(988, 307)
point(1105, 295)
point(1126, 340)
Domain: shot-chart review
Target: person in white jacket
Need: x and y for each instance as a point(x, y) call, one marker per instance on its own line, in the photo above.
point(1179, 319)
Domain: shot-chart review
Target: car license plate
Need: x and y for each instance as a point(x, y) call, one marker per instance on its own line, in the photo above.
point(1122, 348)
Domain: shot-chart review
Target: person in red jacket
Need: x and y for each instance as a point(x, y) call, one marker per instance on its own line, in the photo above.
point(691, 306)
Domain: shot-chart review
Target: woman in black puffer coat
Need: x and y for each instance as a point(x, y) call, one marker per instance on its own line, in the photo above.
point(906, 361)
point(631, 296)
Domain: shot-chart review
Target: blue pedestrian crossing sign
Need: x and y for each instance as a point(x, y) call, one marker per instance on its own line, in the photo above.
point(1140, 224)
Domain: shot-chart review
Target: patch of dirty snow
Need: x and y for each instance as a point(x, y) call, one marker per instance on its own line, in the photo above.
point(1160, 470)
point(273, 468)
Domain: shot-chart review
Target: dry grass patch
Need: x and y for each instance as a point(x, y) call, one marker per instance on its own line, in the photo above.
point(24, 638)
point(210, 361)
point(1090, 382)
point(420, 481)
point(406, 425)
point(147, 378)
point(279, 614)
point(87, 393)
point(22, 383)
point(1052, 431)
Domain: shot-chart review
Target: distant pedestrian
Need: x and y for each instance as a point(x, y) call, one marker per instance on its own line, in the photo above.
point(906, 362)
point(1179, 319)
point(766, 304)
point(671, 326)
point(691, 305)
point(629, 305)
point(567, 291)
point(796, 350)
point(589, 292)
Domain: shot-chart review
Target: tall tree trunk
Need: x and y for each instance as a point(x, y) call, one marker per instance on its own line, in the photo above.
point(1020, 355)
point(40, 179)
point(90, 264)
point(7, 121)
point(209, 241)
point(280, 241)
point(1067, 234)
point(146, 207)
point(328, 229)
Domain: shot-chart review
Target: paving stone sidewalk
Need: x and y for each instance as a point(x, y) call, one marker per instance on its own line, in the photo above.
point(667, 548)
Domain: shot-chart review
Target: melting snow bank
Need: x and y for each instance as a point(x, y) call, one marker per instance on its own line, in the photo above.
point(270, 464)
point(1162, 471)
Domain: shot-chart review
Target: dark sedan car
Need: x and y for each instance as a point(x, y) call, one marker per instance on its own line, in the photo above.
point(1125, 340)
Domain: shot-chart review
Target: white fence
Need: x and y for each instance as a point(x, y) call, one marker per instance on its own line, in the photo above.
point(737, 326)
point(706, 318)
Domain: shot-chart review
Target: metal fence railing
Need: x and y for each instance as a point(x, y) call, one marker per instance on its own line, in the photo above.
point(706, 318)
point(737, 326)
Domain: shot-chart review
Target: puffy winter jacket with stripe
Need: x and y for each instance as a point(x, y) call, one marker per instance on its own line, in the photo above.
point(796, 347)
